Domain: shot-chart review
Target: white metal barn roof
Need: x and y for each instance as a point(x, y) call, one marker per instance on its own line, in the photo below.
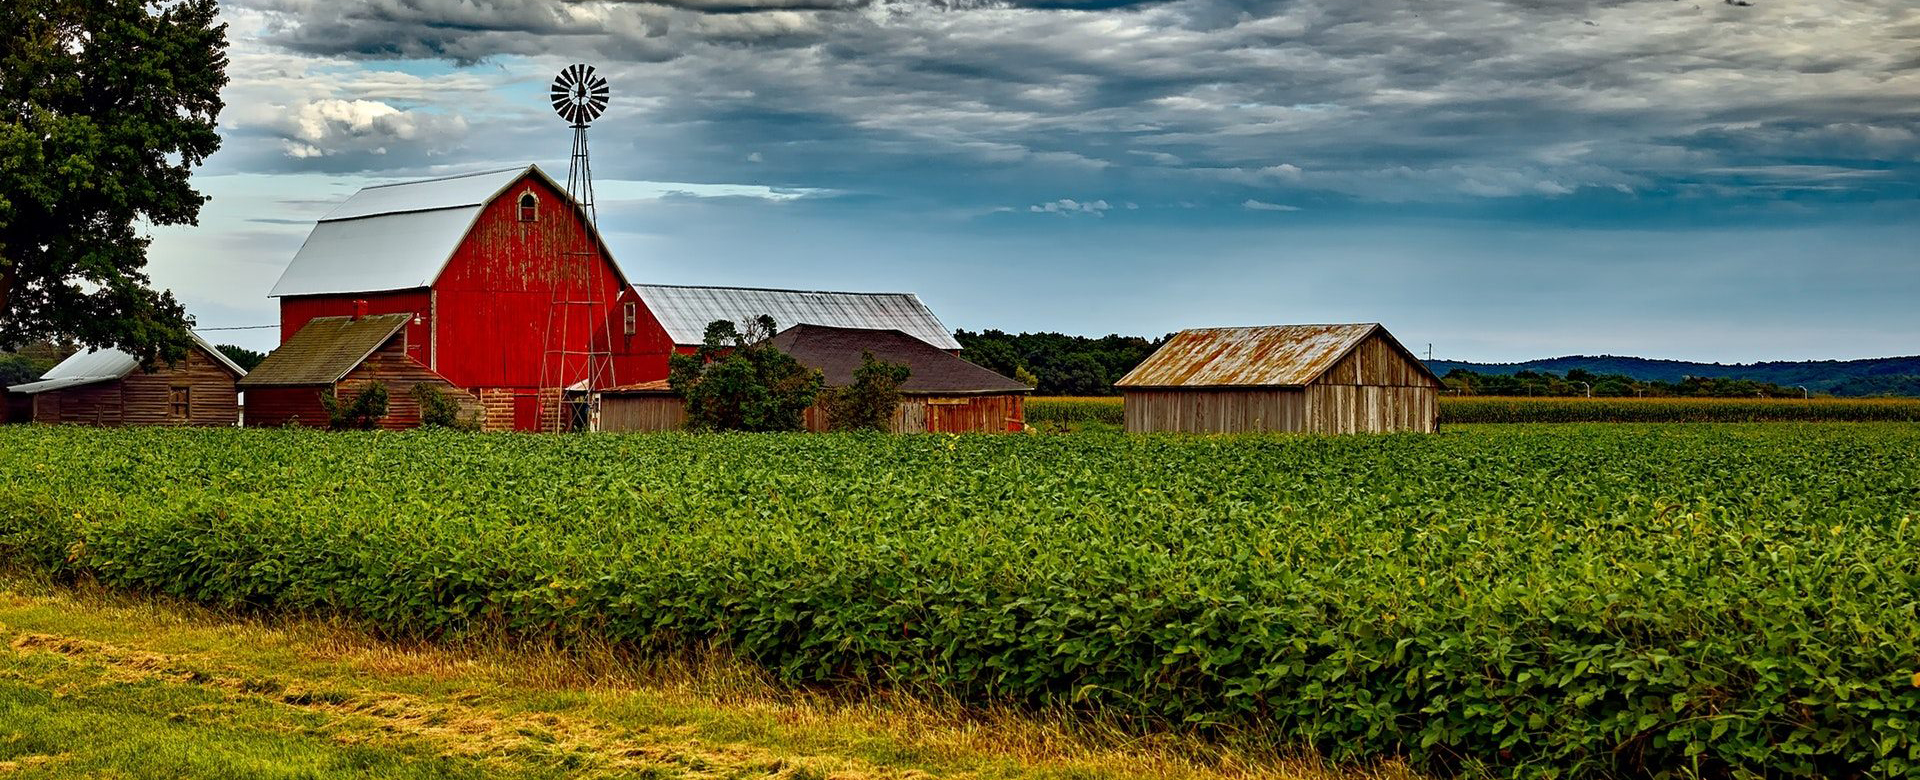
point(393, 236)
point(104, 365)
point(686, 311)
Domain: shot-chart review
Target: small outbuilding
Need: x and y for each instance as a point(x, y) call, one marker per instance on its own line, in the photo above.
point(942, 394)
point(342, 356)
point(106, 387)
point(1304, 378)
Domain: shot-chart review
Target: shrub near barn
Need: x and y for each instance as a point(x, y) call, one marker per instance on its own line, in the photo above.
point(1575, 601)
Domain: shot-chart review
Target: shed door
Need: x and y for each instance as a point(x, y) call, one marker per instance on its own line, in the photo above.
point(526, 411)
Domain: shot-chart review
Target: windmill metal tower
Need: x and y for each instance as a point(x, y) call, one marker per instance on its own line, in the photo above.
point(578, 363)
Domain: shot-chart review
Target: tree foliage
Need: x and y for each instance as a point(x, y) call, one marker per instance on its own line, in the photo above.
point(106, 106)
point(1578, 382)
point(439, 410)
point(1055, 363)
point(868, 403)
point(738, 381)
point(241, 356)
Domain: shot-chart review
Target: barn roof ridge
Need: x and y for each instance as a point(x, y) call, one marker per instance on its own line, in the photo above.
point(447, 177)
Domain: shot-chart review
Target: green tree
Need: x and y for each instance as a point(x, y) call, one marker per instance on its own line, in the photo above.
point(241, 356)
point(105, 108)
point(738, 381)
point(868, 403)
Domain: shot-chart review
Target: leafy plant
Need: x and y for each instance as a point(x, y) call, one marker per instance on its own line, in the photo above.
point(870, 401)
point(1570, 601)
point(439, 410)
point(363, 411)
point(738, 381)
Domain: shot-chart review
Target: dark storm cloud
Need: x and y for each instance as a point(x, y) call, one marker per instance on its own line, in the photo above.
point(1224, 101)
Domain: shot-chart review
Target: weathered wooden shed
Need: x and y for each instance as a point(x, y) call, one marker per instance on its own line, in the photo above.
point(1312, 378)
point(342, 356)
point(106, 387)
point(942, 394)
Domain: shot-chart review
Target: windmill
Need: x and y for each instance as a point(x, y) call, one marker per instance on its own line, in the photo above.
point(575, 369)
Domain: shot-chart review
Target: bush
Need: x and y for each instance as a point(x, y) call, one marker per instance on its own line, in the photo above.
point(738, 381)
point(869, 403)
point(439, 410)
point(364, 411)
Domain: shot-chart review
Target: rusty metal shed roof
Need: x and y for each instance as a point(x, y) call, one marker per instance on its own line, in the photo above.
point(1261, 356)
point(106, 365)
point(324, 350)
point(685, 311)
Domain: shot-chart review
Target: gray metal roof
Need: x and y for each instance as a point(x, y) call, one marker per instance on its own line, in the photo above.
point(686, 311)
point(105, 365)
point(394, 236)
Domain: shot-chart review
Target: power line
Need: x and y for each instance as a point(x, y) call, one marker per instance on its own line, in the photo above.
point(241, 327)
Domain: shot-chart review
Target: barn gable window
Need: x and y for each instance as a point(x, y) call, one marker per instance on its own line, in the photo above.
point(529, 206)
point(630, 317)
point(179, 403)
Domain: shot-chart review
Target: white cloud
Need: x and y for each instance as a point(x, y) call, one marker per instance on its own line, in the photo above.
point(1261, 205)
point(1069, 206)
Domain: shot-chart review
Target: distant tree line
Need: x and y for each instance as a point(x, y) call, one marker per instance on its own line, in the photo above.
point(1578, 382)
point(1055, 363)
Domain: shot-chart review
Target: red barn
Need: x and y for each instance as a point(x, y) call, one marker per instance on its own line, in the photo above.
point(507, 286)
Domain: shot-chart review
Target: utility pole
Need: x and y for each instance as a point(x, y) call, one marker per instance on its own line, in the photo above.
point(1429, 352)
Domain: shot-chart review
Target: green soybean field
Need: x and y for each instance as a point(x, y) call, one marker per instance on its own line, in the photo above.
point(1527, 600)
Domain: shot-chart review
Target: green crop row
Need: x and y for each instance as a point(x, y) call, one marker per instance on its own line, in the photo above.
point(1566, 601)
point(1069, 410)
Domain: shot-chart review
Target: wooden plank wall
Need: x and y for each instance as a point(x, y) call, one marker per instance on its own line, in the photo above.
point(1367, 409)
point(211, 397)
point(1376, 389)
point(274, 407)
point(642, 413)
point(391, 366)
point(145, 398)
point(1210, 410)
point(1376, 362)
point(974, 413)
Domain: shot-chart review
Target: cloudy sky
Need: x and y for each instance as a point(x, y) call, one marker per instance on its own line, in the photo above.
point(1696, 179)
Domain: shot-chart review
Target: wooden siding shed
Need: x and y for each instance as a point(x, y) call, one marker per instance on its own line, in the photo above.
point(343, 356)
point(1350, 378)
point(106, 387)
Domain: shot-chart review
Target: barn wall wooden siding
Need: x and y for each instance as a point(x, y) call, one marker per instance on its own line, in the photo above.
point(1373, 390)
point(143, 398)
